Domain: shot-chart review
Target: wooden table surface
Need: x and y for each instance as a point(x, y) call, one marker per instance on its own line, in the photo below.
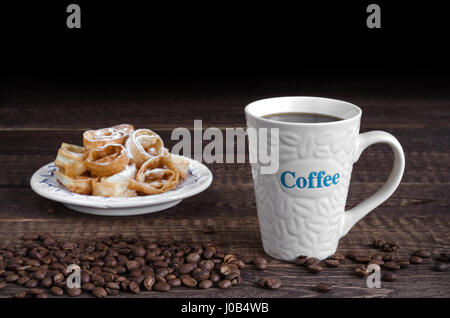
point(34, 122)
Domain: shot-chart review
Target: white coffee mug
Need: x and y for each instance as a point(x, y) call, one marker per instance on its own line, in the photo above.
point(301, 206)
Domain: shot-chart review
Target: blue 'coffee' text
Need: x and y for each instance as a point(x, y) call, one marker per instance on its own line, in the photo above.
point(314, 180)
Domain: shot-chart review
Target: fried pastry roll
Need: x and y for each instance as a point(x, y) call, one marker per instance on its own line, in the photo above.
point(97, 138)
point(115, 185)
point(77, 184)
point(124, 127)
point(157, 175)
point(143, 145)
point(70, 160)
point(107, 160)
point(181, 164)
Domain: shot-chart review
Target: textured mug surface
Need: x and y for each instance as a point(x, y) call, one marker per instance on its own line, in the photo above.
point(301, 207)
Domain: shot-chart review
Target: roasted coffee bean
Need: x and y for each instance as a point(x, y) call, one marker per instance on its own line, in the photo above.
point(403, 263)
point(186, 268)
point(440, 266)
point(234, 278)
point(312, 261)
point(174, 282)
point(201, 274)
point(205, 284)
point(35, 291)
point(389, 276)
point(73, 292)
point(97, 280)
point(32, 283)
point(207, 265)
point(260, 263)
point(161, 287)
point(188, 281)
point(444, 256)
point(58, 277)
point(140, 251)
point(160, 264)
point(392, 266)
point(11, 278)
point(416, 260)
point(390, 247)
point(422, 253)
point(148, 282)
point(225, 269)
point(133, 287)
point(30, 236)
point(46, 282)
point(40, 274)
point(214, 277)
point(99, 292)
point(315, 268)
point(351, 255)
point(262, 282)
point(273, 283)
point(2, 284)
point(387, 257)
point(378, 243)
point(112, 288)
point(361, 271)
point(338, 257)
point(240, 263)
point(301, 260)
point(224, 284)
point(324, 287)
point(209, 252)
point(193, 258)
point(362, 258)
point(56, 291)
point(21, 294)
point(87, 287)
point(22, 280)
point(332, 263)
point(41, 295)
point(132, 265)
point(85, 278)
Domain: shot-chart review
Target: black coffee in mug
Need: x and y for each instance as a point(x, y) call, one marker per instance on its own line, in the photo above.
point(301, 117)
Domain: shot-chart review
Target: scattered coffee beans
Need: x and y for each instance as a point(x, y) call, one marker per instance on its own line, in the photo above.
point(422, 253)
point(260, 263)
point(389, 276)
point(324, 287)
point(332, 263)
point(392, 266)
point(416, 260)
point(269, 283)
point(361, 271)
point(301, 260)
point(99, 292)
point(116, 264)
point(440, 266)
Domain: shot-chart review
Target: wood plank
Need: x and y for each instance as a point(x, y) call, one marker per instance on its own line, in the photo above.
point(220, 200)
point(75, 109)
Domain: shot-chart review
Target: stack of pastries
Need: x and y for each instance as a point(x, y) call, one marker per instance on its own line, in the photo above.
point(119, 162)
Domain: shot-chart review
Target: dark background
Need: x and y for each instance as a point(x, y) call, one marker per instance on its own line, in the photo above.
point(171, 45)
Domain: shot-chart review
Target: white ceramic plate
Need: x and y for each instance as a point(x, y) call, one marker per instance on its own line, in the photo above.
point(44, 183)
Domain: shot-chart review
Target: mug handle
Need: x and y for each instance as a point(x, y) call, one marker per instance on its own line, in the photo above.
point(365, 140)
